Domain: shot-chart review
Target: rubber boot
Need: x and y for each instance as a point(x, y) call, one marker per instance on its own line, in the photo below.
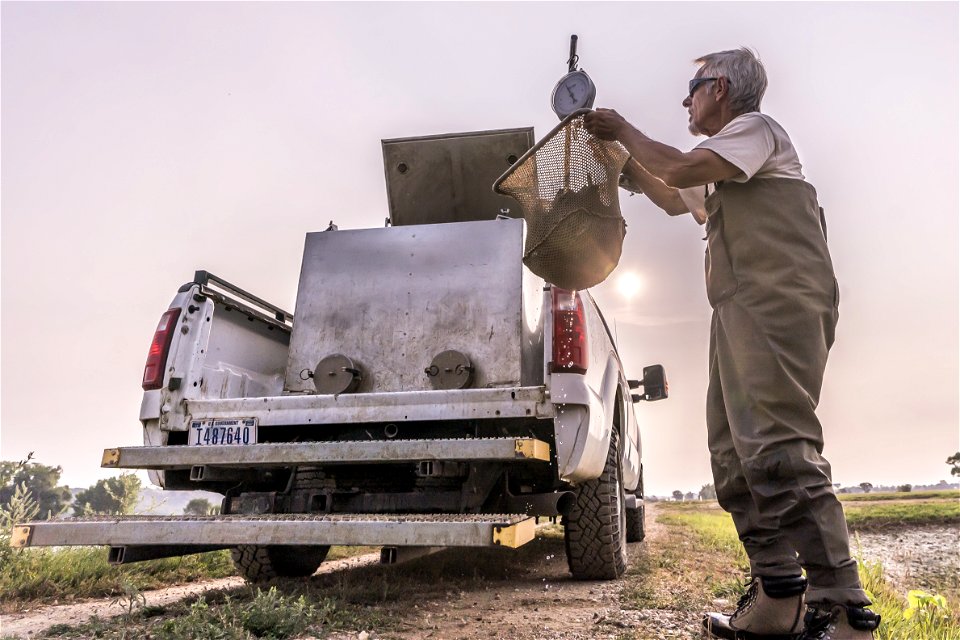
point(841, 623)
point(771, 609)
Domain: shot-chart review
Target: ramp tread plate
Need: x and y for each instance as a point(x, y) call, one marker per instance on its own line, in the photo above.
point(466, 530)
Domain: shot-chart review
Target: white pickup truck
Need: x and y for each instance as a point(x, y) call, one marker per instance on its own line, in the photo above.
point(430, 391)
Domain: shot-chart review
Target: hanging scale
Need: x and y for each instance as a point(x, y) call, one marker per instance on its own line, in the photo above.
point(575, 90)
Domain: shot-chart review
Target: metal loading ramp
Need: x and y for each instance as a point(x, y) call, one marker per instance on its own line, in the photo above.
point(408, 530)
point(353, 452)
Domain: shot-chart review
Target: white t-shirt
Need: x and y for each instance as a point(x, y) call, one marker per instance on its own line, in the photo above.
point(754, 143)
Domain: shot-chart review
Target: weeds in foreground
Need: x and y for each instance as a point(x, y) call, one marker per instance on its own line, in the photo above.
point(916, 615)
point(82, 572)
point(270, 614)
point(919, 616)
point(688, 568)
point(244, 615)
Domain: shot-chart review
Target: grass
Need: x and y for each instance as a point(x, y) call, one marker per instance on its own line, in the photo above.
point(690, 567)
point(709, 536)
point(45, 575)
point(896, 495)
point(868, 515)
point(342, 553)
point(240, 615)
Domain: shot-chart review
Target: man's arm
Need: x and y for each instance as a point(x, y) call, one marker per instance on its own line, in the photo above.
point(674, 167)
point(667, 198)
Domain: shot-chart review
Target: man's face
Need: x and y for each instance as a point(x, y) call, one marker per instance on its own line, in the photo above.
point(698, 103)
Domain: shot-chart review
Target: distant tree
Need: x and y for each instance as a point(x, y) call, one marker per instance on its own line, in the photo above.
point(41, 481)
point(708, 492)
point(198, 507)
point(116, 495)
point(954, 462)
point(689, 495)
point(905, 488)
point(677, 495)
point(866, 486)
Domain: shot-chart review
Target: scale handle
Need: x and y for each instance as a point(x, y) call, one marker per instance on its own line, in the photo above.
point(572, 60)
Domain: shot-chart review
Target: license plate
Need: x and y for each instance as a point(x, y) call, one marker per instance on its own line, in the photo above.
point(219, 432)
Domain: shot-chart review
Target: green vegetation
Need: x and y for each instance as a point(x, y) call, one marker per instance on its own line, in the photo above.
point(269, 614)
point(954, 462)
point(921, 616)
point(112, 495)
point(40, 481)
point(243, 614)
point(689, 567)
point(710, 537)
point(83, 572)
point(867, 515)
point(911, 495)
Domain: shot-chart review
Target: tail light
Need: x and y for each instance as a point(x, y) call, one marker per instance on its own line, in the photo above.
point(159, 348)
point(569, 333)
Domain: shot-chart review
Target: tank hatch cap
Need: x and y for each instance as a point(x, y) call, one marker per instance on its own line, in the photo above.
point(336, 374)
point(450, 370)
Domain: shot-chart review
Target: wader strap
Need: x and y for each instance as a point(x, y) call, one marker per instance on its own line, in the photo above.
point(823, 223)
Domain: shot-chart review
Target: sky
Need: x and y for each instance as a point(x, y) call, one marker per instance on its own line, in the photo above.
point(140, 142)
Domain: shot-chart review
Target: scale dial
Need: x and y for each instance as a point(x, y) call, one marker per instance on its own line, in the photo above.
point(574, 91)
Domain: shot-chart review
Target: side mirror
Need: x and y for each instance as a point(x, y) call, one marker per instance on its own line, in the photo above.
point(654, 383)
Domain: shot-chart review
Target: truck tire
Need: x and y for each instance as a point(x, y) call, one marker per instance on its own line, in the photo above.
point(262, 563)
point(595, 529)
point(635, 529)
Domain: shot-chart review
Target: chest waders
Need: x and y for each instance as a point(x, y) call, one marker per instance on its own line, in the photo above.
point(775, 305)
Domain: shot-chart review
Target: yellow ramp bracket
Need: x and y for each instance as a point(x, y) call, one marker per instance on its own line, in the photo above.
point(111, 458)
point(20, 536)
point(514, 535)
point(533, 449)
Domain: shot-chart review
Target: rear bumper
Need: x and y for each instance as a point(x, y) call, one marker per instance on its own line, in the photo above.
point(316, 453)
point(405, 406)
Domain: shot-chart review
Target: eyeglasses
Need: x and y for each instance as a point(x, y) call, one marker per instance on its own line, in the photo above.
point(696, 82)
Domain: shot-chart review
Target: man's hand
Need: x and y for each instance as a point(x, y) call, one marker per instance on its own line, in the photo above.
point(605, 124)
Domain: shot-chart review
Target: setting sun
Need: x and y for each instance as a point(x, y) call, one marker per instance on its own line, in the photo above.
point(629, 284)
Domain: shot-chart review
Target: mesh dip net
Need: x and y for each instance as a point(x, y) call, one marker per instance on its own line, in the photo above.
point(567, 189)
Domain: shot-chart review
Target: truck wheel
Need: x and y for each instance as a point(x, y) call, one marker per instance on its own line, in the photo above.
point(595, 529)
point(262, 563)
point(635, 531)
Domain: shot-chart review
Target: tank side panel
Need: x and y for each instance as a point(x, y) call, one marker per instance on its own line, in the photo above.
point(391, 299)
point(534, 319)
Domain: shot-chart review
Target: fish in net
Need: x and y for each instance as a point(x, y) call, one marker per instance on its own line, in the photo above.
point(567, 189)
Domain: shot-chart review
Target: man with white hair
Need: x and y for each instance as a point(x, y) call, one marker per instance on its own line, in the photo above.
point(775, 304)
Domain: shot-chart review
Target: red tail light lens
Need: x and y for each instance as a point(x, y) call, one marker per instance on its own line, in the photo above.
point(569, 333)
point(159, 348)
